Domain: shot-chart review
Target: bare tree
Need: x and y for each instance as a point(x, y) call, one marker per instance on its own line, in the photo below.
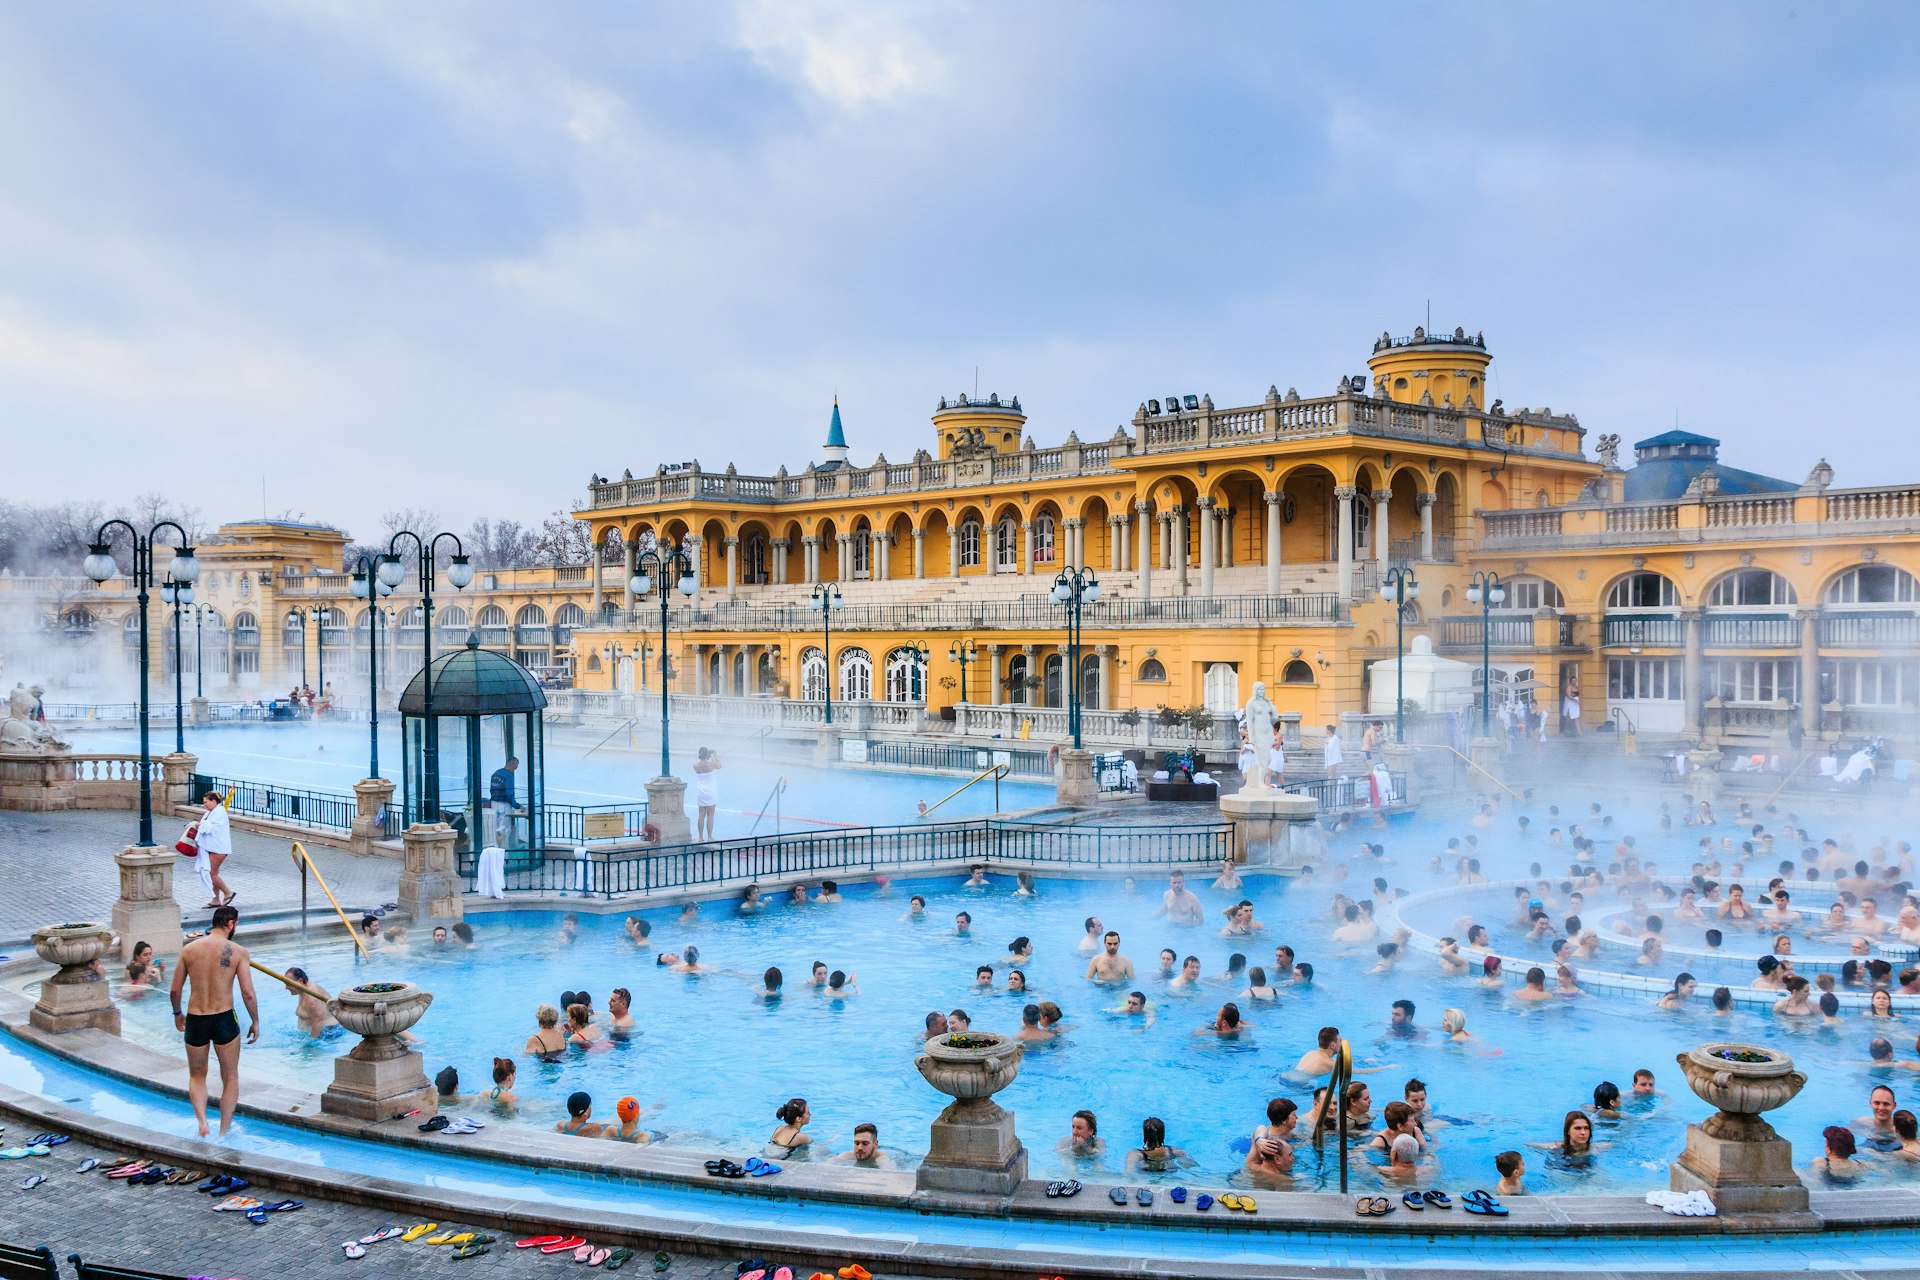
point(563, 541)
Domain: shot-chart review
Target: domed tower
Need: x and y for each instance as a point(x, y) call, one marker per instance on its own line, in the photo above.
point(973, 428)
point(1431, 368)
point(835, 449)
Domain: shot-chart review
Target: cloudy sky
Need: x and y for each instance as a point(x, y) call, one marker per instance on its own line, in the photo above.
point(462, 255)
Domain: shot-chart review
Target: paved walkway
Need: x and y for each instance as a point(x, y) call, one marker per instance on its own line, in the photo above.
point(59, 866)
point(173, 1230)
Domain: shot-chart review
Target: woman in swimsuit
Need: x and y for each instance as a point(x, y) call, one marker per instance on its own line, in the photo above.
point(581, 1032)
point(1153, 1155)
point(549, 1039)
point(1682, 992)
point(579, 1121)
point(628, 1130)
point(502, 1095)
point(1257, 988)
point(789, 1138)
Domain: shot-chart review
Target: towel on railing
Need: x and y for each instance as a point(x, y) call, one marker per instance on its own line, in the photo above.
point(492, 880)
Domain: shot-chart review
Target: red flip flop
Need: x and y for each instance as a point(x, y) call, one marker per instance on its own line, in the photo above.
point(565, 1244)
point(534, 1242)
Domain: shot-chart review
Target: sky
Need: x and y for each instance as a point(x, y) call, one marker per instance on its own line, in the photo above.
point(332, 258)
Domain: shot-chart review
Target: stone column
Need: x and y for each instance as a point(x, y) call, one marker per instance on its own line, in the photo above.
point(779, 566)
point(1691, 669)
point(1273, 543)
point(697, 654)
point(733, 564)
point(1382, 528)
point(1116, 546)
point(953, 551)
point(1810, 672)
point(429, 882)
point(593, 567)
point(1107, 691)
point(631, 554)
point(371, 795)
point(993, 674)
point(809, 559)
point(1209, 530)
point(199, 712)
point(1425, 502)
point(1180, 553)
point(145, 910)
point(1343, 496)
point(1075, 784)
point(919, 553)
point(1026, 547)
point(380, 1078)
point(667, 809)
point(1224, 536)
point(882, 555)
point(844, 570)
point(1145, 551)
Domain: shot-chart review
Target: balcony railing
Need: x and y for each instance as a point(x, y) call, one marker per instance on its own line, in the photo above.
point(1656, 630)
point(1772, 517)
point(1508, 632)
point(1028, 612)
point(1738, 632)
point(1868, 630)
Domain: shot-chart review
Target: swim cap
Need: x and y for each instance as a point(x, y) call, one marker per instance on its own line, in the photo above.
point(627, 1108)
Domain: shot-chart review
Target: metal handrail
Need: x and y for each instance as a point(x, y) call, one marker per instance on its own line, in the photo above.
point(996, 772)
point(1482, 769)
point(302, 860)
point(1335, 1101)
point(773, 798)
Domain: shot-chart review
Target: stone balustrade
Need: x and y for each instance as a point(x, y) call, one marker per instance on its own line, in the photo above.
point(1805, 515)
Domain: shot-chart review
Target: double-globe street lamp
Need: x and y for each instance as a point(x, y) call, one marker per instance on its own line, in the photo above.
point(392, 571)
point(200, 614)
point(664, 562)
point(1486, 590)
point(963, 652)
point(1399, 589)
point(826, 599)
point(179, 595)
point(1075, 589)
point(100, 566)
point(369, 586)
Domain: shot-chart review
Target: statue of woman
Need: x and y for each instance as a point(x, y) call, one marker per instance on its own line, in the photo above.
point(1260, 717)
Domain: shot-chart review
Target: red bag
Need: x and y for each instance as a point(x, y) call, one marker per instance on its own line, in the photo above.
point(185, 845)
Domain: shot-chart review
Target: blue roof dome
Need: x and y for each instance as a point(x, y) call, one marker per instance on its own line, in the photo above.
point(472, 681)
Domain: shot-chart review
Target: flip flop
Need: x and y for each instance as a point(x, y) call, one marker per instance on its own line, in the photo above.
point(29, 1183)
point(854, 1271)
point(662, 1260)
point(257, 1215)
point(1382, 1206)
point(1413, 1201)
point(88, 1165)
point(51, 1140)
point(1247, 1204)
point(384, 1233)
point(565, 1244)
point(1118, 1195)
point(39, 1149)
point(598, 1258)
point(783, 1273)
point(1053, 1190)
point(237, 1204)
point(1144, 1195)
point(450, 1237)
point(1204, 1203)
point(618, 1258)
point(584, 1252)
point(534, 1242)
point(474, 1250)
point(435, 1124)
point(1438, 1199)
point(1068, 1189)
point(1178, 1195)
point(354, 1249)
point(1363, 1207)
point(417, 1230)
point(1490, 1208)
point(205, 1184)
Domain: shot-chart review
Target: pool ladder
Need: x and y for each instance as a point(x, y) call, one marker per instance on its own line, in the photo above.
point(996, 772)
point(1335, 1101)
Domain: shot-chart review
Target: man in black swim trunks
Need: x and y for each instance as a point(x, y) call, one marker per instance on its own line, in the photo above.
point(212, 963)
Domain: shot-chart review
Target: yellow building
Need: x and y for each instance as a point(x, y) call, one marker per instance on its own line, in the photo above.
point(1249, 543)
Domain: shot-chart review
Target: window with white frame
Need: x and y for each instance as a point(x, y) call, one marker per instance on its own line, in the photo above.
point(1043, 527)
point(1643, 680)
point(906, 677)
point(1874, 584)
point(1643, 590)
point(1528, 595)
point(856, 675)
point(970, 544)
point(1006, 544)
point(1749, 589)
point(1751, 680)
point(813, 675)
point(1871, 682)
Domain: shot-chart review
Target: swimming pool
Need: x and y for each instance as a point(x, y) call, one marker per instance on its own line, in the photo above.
point(586, 767)
point(852, 1058)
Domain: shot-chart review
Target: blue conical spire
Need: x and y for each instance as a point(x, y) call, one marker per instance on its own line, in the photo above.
point(836, 437)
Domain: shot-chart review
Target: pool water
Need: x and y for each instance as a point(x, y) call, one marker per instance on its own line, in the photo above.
point(588, 767)
point(714, 1061)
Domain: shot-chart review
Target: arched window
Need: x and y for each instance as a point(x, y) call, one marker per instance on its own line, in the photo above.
point(609, 612)
point(1297, 672)
point(1017, 669)
point(1750, 588)
point(906, 677)
point(566, 620)
point(293, 631)
point(451, 618)
point(1529, 595)
point(493, 616)
point(862, 553)
point(531, 615)
point(1643, 590)
point(970, 544)
point(1090, 692)
point(1043, 527)
point(813, 675)
point(1153, 669)
point(246, 630)
point(1874, 584)
point(593, 659)
point(856, 675)
point(1006, 544)
point(1052, 674)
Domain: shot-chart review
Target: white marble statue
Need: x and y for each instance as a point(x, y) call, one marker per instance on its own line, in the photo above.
point(20, 733)
point(1260, 715)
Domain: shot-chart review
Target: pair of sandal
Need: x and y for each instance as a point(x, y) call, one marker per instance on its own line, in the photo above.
point(1237, 1200)
point(1373, 1206)
point(1482, 1202)
point(1119, 1195)
point(725, 1169)
point(220, 1184)
point(758, 1168)
point(1419, 1200)
point(1063, 1190)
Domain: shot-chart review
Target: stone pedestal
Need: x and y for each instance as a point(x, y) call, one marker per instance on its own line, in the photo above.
point(146, 910)
point(1076, 785)
point(77, 996)
point(1275, 828)
point(176, 781)
point(36, 782)
point(667, 809)
point(1735, 1156)
point(199, 713)
point(380, 1077)
point(973, 1154)
point(371, 796)
point(429, 883)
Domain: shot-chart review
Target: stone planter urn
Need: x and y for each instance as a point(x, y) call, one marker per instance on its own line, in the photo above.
point(77, 996)
point(974, 1153)
point(1734, 1155)
point(380, 1077)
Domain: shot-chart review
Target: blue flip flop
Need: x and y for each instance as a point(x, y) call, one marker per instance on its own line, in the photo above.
point(1438, 1199)
point(1178, 1195)
point(257, 1215)
point(28, 1184)
point(284, 1206)
point(1118, 1195)
point(1204, 1203)
point(1144, 1195)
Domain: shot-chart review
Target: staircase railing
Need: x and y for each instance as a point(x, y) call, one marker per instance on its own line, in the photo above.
point(305, 863)
point(996, 772)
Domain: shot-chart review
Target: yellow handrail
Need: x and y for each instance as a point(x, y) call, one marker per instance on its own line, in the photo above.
point(300, 858)
point(1334, 1101)
point(996, 772)
point(1471, 765)
point(1775, 793)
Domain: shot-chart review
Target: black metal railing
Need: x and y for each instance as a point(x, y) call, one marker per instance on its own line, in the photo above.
point(859, 849)
point(1664, 631)
point(1031, 610)
point(566, 824)
point(942, 755)
point(321, 810)
point(1348, 791)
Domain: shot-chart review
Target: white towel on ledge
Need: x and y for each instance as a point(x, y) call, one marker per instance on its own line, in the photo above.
point(492, 880)
point(1685, 1204)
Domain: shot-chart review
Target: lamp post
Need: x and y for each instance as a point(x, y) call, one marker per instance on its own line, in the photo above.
point(612, 653)
point(1076, 589)
point(177, 594)
point(100, 566)
point(320, 614)
point(1486, 590)
point(661, 561)
point(918, 651)
point(1398, 588)
point(200, 613)
point(963, 652)
point(392, 572)
point(826, 598)
point(368, 586)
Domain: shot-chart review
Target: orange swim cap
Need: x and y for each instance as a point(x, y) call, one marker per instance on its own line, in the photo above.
point(627, 1108)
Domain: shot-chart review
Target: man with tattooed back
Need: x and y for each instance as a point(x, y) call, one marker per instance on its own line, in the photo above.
point(212, 963)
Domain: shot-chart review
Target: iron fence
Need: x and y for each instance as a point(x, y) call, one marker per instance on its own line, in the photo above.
point(866, 849)
point(943, 755)
point(321, 810)
point(1348, 791)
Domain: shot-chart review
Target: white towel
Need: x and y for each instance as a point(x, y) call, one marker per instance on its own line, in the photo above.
point(203, 866)
point(1684, 1204)
point(492, 880)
